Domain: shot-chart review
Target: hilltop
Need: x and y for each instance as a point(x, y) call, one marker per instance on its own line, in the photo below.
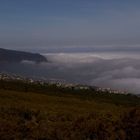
point(19, 56)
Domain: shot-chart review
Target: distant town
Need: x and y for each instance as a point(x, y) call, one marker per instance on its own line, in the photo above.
point(58, 83)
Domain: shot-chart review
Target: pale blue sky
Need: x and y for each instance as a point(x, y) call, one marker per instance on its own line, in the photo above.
point(72, 25)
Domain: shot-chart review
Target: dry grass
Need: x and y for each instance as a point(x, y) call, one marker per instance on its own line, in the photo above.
point(45, 117)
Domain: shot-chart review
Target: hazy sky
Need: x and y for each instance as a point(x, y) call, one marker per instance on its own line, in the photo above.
point(71, 25)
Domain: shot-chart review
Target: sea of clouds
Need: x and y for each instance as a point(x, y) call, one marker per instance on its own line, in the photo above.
point(115, 70)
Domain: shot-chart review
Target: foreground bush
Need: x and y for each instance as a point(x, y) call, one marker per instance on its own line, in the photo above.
point(22, 123)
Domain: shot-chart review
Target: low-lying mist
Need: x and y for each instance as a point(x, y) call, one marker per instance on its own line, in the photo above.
point(103, 70)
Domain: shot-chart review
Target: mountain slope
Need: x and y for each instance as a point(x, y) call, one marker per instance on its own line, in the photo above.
point(18, 56)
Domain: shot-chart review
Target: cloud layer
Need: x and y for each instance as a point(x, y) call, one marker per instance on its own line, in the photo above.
point(118, 72)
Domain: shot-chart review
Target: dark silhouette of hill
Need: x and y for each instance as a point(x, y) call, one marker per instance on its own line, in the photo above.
point(18, 56)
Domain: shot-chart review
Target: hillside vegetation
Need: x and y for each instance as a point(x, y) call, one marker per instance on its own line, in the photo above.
point(37, 112)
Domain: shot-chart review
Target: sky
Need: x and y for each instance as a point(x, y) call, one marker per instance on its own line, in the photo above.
point(70, 25)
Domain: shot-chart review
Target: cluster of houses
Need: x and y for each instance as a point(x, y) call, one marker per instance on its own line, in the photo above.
point(61, 83)
point(109, 90)
point(9, 77)
point(87, 87)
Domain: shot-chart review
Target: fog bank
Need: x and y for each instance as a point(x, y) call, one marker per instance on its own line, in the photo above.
point(118, 71)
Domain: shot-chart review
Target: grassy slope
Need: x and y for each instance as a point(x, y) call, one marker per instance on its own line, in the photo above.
point(27, 115)
point(55, 104)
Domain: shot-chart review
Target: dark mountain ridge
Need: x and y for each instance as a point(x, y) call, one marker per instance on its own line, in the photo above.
point(19, 56)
